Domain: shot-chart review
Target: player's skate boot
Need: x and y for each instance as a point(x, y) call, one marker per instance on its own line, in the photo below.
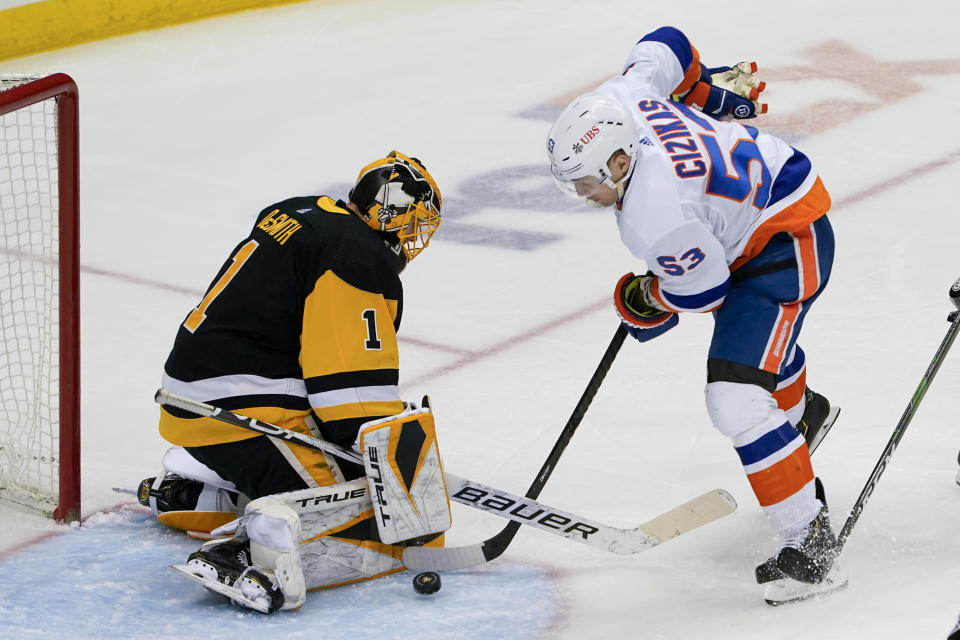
point(771, 570)
point(808, 553)
point(223, 566)
point(818, 417)
point(222, 560)
point(807, 561)
point(171, 493)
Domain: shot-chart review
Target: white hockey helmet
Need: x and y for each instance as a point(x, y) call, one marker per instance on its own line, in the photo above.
point(585, 135)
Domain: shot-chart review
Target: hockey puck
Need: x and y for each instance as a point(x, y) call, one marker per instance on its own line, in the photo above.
point(426, 583)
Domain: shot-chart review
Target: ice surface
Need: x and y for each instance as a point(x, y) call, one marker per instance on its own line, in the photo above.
point(188, 132)
point(110, 579)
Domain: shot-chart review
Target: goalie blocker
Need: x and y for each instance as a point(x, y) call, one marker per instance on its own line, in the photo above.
point(405, 476)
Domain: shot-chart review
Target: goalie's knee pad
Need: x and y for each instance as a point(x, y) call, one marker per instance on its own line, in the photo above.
point(740, 411)
point(405, 476)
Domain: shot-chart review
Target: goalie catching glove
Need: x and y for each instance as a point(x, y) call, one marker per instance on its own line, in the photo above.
point(634, 304)
point(726, 93)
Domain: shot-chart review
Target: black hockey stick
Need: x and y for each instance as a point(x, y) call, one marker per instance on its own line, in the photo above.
point(464, 557)
point(954, 319)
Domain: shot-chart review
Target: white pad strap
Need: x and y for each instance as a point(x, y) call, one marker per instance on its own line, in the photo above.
point(153, 490)
point(274, 532)
point(403, 469)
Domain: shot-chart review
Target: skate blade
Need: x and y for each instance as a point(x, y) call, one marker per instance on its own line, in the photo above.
point(235, 595)
point(825, 429)
point(788, 591)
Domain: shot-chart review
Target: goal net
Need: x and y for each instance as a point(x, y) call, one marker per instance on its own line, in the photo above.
point(39, 295)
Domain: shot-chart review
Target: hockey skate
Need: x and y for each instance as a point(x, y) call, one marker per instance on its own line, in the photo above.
point(224, 567)
point(808, 554)
point(806, 564)
point(174, 492)
point(818, 417)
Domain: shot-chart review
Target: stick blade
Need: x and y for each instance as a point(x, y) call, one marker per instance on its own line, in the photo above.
point(690, 515)
point(452, 558)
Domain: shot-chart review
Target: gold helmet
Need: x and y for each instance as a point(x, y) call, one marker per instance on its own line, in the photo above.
point(398, 198)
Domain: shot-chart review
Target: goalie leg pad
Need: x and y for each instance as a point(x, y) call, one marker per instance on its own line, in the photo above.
point(405, 476)
point(341, 558)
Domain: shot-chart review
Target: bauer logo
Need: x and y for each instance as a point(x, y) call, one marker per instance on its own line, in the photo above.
point(955, 289)
point(550, 144)
point(523, 511)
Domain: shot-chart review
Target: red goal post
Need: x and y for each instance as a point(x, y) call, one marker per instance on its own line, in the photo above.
point(40, 294)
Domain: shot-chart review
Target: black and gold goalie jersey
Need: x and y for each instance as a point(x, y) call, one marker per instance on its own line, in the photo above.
point(302, 316)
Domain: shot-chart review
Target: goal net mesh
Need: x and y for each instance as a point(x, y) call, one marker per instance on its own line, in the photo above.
point(29, 309)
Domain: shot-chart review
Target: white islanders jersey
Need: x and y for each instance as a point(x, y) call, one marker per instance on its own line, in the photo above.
point(705, 196)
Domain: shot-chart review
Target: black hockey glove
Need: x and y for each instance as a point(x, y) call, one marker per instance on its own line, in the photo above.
point(641, 319)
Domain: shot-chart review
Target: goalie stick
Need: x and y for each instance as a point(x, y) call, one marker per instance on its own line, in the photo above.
point(453, 558)
point(699, 511)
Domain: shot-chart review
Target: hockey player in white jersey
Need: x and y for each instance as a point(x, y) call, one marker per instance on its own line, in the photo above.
point(729, 221)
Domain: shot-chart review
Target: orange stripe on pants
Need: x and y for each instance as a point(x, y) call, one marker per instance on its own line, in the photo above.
point(782, 331)
point(783, 479)
point(807, 262)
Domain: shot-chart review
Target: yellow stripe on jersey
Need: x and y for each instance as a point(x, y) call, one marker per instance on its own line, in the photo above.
point(346, 329)
point(200, 432)
point(358, 409)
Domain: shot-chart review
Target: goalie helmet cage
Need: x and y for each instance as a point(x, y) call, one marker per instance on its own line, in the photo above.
point(39, 295)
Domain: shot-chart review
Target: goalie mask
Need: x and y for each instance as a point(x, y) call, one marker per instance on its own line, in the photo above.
point(399, 199)
point(585, 135)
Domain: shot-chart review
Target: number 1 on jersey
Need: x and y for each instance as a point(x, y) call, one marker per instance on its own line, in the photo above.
point(199, 314)
point(372, 342)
